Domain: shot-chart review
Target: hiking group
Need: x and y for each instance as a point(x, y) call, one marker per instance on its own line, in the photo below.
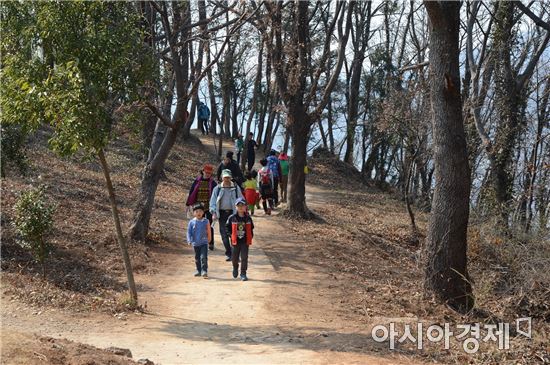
point(230, 198)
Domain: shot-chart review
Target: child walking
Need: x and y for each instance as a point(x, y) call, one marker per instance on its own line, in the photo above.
point(265, 182)
point(198, 235)
point(241, 228)
point(250, 191)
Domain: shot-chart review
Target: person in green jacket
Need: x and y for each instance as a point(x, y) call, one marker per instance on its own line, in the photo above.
point(283, 160)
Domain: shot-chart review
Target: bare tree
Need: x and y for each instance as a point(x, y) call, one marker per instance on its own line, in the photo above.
point(446, 273)
point(176, 22)
point(296, 93)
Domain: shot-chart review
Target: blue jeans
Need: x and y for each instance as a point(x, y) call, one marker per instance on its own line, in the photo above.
point(201, 258)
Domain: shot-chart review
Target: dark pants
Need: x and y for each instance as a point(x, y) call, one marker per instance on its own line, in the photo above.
point(250, 161)
point(266, 193)
point(201, 258)
point(208, 216)
point(276, 190)
point(239, 158)
point(284, 184)
point(204, 126)
point(242, 250)
point(224, 215)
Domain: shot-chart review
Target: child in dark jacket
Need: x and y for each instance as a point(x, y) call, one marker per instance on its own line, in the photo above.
point(241, 229)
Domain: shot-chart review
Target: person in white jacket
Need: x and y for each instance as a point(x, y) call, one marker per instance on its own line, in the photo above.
point(222, 205)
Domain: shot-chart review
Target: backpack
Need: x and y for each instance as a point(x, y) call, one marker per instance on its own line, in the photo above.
point(265, 180)
point(272, 163)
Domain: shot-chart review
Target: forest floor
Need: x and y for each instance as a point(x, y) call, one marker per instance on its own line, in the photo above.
point(316, 289)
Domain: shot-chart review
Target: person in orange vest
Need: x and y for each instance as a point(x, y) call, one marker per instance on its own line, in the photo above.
point(241, 229)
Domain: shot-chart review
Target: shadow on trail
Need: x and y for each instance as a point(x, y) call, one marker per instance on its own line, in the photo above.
point(314, 338)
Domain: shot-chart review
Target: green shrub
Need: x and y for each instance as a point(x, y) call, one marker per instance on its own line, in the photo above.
point(13, 148)
point(34, 222)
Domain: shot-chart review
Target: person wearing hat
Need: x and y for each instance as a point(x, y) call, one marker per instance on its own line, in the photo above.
point(201, 192)
point(283, 161)
point(229, 163)
point(222, 205)
point(241, 230)
point(198, 235)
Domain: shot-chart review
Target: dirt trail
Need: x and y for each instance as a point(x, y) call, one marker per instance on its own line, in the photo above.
point(285, 314)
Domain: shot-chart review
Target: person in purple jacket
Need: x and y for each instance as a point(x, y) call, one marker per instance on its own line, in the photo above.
point(201, 192)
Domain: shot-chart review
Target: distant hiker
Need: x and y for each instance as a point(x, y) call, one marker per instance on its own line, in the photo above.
point(222, 205)
point(251, 190)
point(201, 192)
point(198, 235)
point(203, 116)
point(239, 144)
point(230, 164)
point(275, 167)
point(251, 146)
point(242, 231)
point(283, 161)
point(265, 184)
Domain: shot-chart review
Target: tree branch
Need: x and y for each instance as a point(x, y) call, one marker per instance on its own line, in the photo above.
point(159, 115)
point(538, 21)
point(526, 75)
point(340, 61)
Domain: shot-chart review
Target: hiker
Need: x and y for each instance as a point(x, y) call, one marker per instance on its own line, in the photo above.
point(200, 192)
point(222, 205)
point(239, 144)
point(265, 184)
point(230, 164)
point(199, 235)
point(283, 161)
point(203, 116)
point(251, 146)
point(251, 190)
point(275, 168)
point(242, 230)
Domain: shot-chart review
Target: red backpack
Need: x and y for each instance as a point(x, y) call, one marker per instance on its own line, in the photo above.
point(264, 178)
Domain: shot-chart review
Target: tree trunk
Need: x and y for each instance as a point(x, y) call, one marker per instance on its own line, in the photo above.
point(507, 101)
point(254, 102)
point(299, 131)
point(152, 173)
point(149, 92)
point(353, 107)
point(330, 126)
point(446, 273)
point(213, 108)
point(120, 238)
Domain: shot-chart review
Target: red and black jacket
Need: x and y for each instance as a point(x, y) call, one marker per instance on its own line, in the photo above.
point(232, 227)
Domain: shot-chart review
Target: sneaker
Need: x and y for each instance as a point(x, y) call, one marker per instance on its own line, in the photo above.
point(235, 272)
point(197, 273)
point(211, 246)
point(205, 275)
point(227, 258)
point(268, 212)
point(243, 277)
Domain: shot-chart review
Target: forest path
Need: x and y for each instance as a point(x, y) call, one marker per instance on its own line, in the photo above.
point(287, 313)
